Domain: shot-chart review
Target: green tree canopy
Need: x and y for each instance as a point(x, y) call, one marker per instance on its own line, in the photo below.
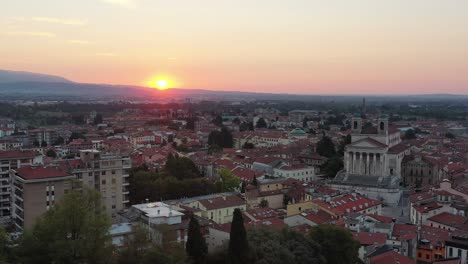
point(181, 167)
point(325, 147)
point(228, 182)
point(76, 230)
point(410, 134)
point(332, 166)
point(51, 153)
point(196, 246)
point(337, 244)
point(238, 251)
point(269, 246)
point(261, 123)
point(221, 138)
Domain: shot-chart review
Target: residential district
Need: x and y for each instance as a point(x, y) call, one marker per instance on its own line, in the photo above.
point(398, 184)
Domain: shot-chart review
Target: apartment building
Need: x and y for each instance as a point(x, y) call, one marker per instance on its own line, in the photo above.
point(106, 173)
point(12, 160)
point(36, 189)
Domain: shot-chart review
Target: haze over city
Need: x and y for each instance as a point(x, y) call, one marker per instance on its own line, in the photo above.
point(271, 46)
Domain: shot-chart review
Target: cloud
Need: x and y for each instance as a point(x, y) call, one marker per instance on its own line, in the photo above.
point(78, 41)
point(122, 3)
point(32, 33)
point(106, 54)
point(63, 21)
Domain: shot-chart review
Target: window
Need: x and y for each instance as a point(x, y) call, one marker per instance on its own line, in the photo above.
point(427, 256)
point(113, 172)
point(450, 252)
point(459, 253)
point(103, 173)
point(103, 182)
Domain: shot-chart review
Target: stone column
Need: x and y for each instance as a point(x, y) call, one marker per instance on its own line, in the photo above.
point(367, 164)
point(374, 165)
point(354, 162)
point(380, 163)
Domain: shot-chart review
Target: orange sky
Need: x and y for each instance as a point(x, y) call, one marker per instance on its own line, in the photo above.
point(297, 46)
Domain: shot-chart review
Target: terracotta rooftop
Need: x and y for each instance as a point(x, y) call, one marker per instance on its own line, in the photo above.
point(448, 219)
point(391, 257)
point(366, 238)
point(11, 154)
point(36, 173)
point(222, 202)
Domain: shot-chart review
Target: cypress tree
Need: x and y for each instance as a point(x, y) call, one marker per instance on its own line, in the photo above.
point(196, 245)
point(239, 252)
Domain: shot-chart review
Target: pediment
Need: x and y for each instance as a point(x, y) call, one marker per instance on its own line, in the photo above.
point(367, 143)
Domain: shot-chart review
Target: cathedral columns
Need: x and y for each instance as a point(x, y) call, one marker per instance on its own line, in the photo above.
point(367, 164)
point(374, 165)
point(354, 162)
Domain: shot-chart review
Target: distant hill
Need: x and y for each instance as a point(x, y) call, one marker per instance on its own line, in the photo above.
point(21, 76)
point(33, 86)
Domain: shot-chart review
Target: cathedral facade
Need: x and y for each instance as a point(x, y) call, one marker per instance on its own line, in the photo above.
point(372, 162)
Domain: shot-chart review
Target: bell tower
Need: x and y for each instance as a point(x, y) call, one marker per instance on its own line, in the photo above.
point(356, 124)
point(382, 126)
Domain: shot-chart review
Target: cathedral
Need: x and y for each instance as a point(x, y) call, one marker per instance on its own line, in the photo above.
point(372, 162)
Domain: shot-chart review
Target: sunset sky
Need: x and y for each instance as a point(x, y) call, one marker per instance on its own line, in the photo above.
point(280, 46)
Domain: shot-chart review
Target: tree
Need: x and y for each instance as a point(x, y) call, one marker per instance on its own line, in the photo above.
point(329, 237)
point(76, 135)
point(325, 147)
point(332, 166)
point(345, 140)
point(76, 231)
point(248, 145)
point(218, 121)
point(238, 251)
point(221, 138)
point(196, 246)
point(270, 246)
point(243, 186)
point(261, 123)
point(58, 141)
point(6, 246)
point(98, 119)
point(228, 181)
point(135, 246)
point(254, 181)
point(410, 134)
point(51, 153)
point(449, 135)
point(263, 203)
point(181, 167)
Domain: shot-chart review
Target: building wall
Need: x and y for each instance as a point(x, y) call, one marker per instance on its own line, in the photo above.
point(37, 198)
point(297, 208)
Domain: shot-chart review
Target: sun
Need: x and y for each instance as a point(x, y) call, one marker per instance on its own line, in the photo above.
point(162, 84)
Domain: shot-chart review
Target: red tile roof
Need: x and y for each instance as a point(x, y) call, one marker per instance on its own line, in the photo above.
point(404, 232)
point(222, 202)
point(36, 173)
point(366, 238)
point(391, 257)
point(347, 204)
point(12, 154)
point(448, 219)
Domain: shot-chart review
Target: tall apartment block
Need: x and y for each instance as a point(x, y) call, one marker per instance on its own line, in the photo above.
point(106, 173)
point(36, 190)
point(12, 160)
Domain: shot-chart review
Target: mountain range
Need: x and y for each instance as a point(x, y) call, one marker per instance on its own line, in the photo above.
point(19, 85)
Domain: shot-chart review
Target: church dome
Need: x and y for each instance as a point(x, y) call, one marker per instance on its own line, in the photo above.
point(297, 132)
